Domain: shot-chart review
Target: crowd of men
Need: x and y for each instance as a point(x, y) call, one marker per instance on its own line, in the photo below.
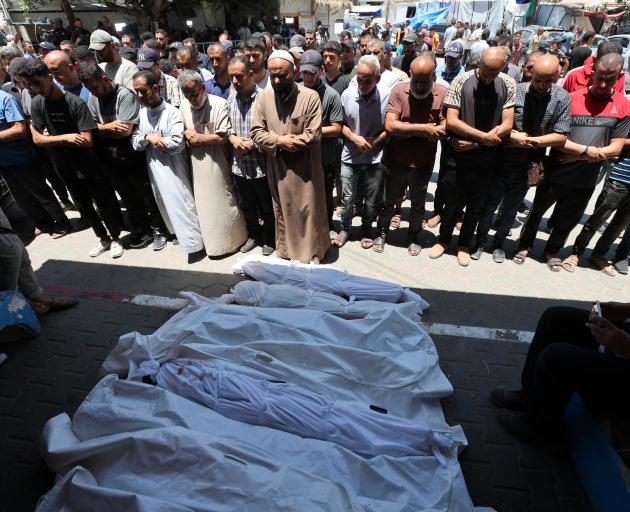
point(257, 143)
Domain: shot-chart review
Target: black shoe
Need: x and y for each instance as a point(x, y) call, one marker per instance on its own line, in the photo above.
point(140, 240)
point(267, 250)
point(498, 255)
point(199, 255)
point(248, 246)
point(477, 253)
point(622, 266)
point(505, 399)
point(159, 241)
point(519, 425)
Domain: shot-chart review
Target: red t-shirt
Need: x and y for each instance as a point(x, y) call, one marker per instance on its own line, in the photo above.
point(582, 77)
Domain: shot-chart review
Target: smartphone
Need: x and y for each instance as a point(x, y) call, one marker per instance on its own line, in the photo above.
point(595, 317)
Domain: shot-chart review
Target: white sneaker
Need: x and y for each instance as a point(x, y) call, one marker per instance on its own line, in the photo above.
point(116, 249)
point(100, 248)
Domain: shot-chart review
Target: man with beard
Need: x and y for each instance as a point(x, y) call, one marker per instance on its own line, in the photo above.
point(287, 124)
point(160, 132)
point(120, 71)
point(219, 84)
point(149, 60)
point(188, 58)
point(348, 56)
point(207, 123)
point(415, 121)
point(410, 52)
point(542, 119)
point(452, 66)
point(161, 36)
point(255, 52)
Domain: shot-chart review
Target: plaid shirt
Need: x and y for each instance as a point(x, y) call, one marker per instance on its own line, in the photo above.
point(557, 115)
point(251, 164)
point(169, 90)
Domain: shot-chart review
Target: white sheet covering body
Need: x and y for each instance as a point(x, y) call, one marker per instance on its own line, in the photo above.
point(388, 362)
point(262, 295)
point(288, 407)
point(139, 448)
point(325, 278)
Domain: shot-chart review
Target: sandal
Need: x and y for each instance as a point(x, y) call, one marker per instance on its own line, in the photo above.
point(366, 243)
point(414, 249)
point(341, 239)
point(57, 303)
point(603, 265)
point(395, 222)
point(39, 308)
point(520, 257)
point(554, 263)
point(378, 245)
point(59, 234)
point(570, 263)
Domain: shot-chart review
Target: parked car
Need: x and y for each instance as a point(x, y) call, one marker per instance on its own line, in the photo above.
point(528, 32)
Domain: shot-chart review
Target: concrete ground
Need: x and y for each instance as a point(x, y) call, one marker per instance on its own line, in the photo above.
point(53, 373)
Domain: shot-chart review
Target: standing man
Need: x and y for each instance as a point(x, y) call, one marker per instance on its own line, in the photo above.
point(80, 36)
point(309, 36)
point(64, 70)
point(599, 127)
point(249, 165)
point(453, 55)
point(364, 132)
point(449, 34)
point(207, 123)
point(149, 60)
point(161, 36)
point(287, 125)
point(62, 121)
point(348, 58)
point(582, 52)
point(59, 33)
point(204, 61)
point(120, 71)
point(333, 77)
point(115, 110)
point(480, 114)
point(188, 58)
point(410, 43)
point(332, 123)
point(388, 79)
point(219, 84)
point(255, 52)
point(415, 121)
point(582, 77)
point(160, 132)
point(542, 119)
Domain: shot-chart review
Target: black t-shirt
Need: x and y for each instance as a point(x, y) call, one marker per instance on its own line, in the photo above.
point(83, 34)
point(486, 99)
point(70, 114)
point(339, 84)
point(578, 56)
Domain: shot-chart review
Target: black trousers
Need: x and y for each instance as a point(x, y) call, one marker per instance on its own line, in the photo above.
point(400, 176)
point(614, 196)
point(446, 180)
point(33, 195)
point(86, 182)
point(563, 359)
point(21, 223)
point(472, 179)
point(508, 187)
point(623, 249)
point(52, 174)
point(254, 197)
point(330, 175)
point(570, 205)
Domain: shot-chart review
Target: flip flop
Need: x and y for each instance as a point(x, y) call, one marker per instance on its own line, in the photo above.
point(39, 308)
point(341, 238)
point(414, 249)
point(395, 222)
point(59, 234)
point(520, 257)
point(366, 243)
point(554, 264)
point(607, 268)
point(378, 245)
point(569, 265)
point(58, 303)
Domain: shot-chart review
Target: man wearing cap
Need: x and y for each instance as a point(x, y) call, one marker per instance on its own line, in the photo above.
point(333, 77)
point(188, 58)
point(129, 53)
point(120, 71)
point(297, 40)
point(160, 132)
point(255, 52)
point(149, 60)
point(410, 43)
point(172, 50)
point(453, 62)
point(219, 84)
point(59, 33)
point(287, 124)
point(332, 123)
point(45, 48)
point(348, 58)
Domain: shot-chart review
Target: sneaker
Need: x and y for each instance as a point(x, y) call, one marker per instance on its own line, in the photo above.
point(159, 241)
point(267, 250)
point(463, 257)
point(498, 255)
point(505, 399)
point(519, 425)
point(248, 246)
point(477, 253)
point(116, 249)
point(140, 240)
point(436, 251)
point(100, 248)
point(622, 266)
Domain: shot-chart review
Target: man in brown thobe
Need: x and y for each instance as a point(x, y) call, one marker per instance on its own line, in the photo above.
point(287, 125)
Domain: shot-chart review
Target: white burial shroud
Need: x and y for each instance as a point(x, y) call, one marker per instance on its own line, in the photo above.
point(325, 278)
point(139, 448)
point(288, 407)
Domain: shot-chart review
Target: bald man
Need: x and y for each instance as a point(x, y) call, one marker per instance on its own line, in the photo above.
point(415, 122)
point(599, 127)
point(479, 117)
point(65, 72)
point(287, 125)
point(542, 119)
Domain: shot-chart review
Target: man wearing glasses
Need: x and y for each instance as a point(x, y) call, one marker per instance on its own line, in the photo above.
point(65, 74)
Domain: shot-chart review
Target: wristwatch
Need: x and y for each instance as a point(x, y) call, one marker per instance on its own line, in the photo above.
point(585, 152)
point(475, 145)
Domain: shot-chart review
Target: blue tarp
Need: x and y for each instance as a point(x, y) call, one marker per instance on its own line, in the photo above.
point(428, 18)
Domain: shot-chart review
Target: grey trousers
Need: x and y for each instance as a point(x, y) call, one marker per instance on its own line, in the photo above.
point(16, 272)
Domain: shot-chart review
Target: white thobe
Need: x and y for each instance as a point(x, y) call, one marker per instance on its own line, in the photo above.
point(169, 173)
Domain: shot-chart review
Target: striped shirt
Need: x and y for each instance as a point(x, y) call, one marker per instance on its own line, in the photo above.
point(538, 115)
point(621, 170)
point(169, 90)
point(253, 163)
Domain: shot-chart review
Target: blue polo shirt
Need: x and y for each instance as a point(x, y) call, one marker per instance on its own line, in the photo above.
point(215, 88)
point(18, 151)
point(80, 90)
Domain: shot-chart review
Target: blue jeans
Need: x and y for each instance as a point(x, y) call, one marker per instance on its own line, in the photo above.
point(372, 177)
